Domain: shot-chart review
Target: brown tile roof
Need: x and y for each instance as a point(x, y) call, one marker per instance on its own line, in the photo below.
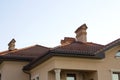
point(75, 49)
point(28, 53)
point(82, 48)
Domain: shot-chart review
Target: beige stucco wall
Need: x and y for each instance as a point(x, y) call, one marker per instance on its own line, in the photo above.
point(42, 70)
point(102, 67)
point(12, 70)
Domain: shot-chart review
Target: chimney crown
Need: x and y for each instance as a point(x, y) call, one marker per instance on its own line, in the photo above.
point(11, 45)
point(82, 27)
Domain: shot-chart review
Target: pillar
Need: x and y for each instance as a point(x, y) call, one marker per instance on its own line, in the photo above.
point(57, 74)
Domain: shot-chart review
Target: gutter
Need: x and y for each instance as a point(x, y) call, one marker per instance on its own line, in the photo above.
point(27, 72)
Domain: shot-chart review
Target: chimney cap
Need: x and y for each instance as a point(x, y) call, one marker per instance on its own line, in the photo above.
point(11, 45)
point(84, 26)
point(12, 41)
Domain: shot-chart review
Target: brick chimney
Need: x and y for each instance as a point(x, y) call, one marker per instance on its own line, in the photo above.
point(67, 40)
point(81, 34)
point(11, 45)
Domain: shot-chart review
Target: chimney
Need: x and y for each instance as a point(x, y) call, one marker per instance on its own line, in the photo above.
point(67, 40)
point(81, 34)
point(11, 45)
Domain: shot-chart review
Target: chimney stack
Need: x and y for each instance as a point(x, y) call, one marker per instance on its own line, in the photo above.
point(11, 45)
point(67, 40)
point(81, 34)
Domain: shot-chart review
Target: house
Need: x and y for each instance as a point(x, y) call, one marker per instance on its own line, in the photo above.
point(74, 59)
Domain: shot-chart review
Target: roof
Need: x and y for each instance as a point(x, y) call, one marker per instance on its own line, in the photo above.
point(24, 54)
point(109, 45)
point(38, 54)
point(74, 49)
point(87, 48)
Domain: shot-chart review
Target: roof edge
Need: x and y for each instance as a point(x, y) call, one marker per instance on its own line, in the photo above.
point(15, 58)
point(108, 46)
point(51, 53)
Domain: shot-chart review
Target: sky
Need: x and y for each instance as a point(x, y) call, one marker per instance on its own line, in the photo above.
point(46, 22)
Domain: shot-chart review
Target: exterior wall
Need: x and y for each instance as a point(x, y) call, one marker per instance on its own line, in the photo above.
point(103, 67)
point(43, 70)
point(12, 70)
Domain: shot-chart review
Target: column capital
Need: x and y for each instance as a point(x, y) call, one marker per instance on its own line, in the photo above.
point(57, 70)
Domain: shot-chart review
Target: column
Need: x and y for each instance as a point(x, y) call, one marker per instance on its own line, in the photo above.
point(57, 74)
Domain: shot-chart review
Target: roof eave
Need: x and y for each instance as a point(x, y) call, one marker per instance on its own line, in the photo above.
point(15, 58)
point(51, 54)
point(36, 62)
point(108, 46)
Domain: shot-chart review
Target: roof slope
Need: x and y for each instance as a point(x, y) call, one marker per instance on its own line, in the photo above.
point(82, 48)
point(109, 45)
point(26, 54)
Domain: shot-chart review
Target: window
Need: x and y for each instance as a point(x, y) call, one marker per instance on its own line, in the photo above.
point(116, 76)
point(117, 54)
point(71, 77)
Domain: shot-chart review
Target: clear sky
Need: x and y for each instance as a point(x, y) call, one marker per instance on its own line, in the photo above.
point(46, 22)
